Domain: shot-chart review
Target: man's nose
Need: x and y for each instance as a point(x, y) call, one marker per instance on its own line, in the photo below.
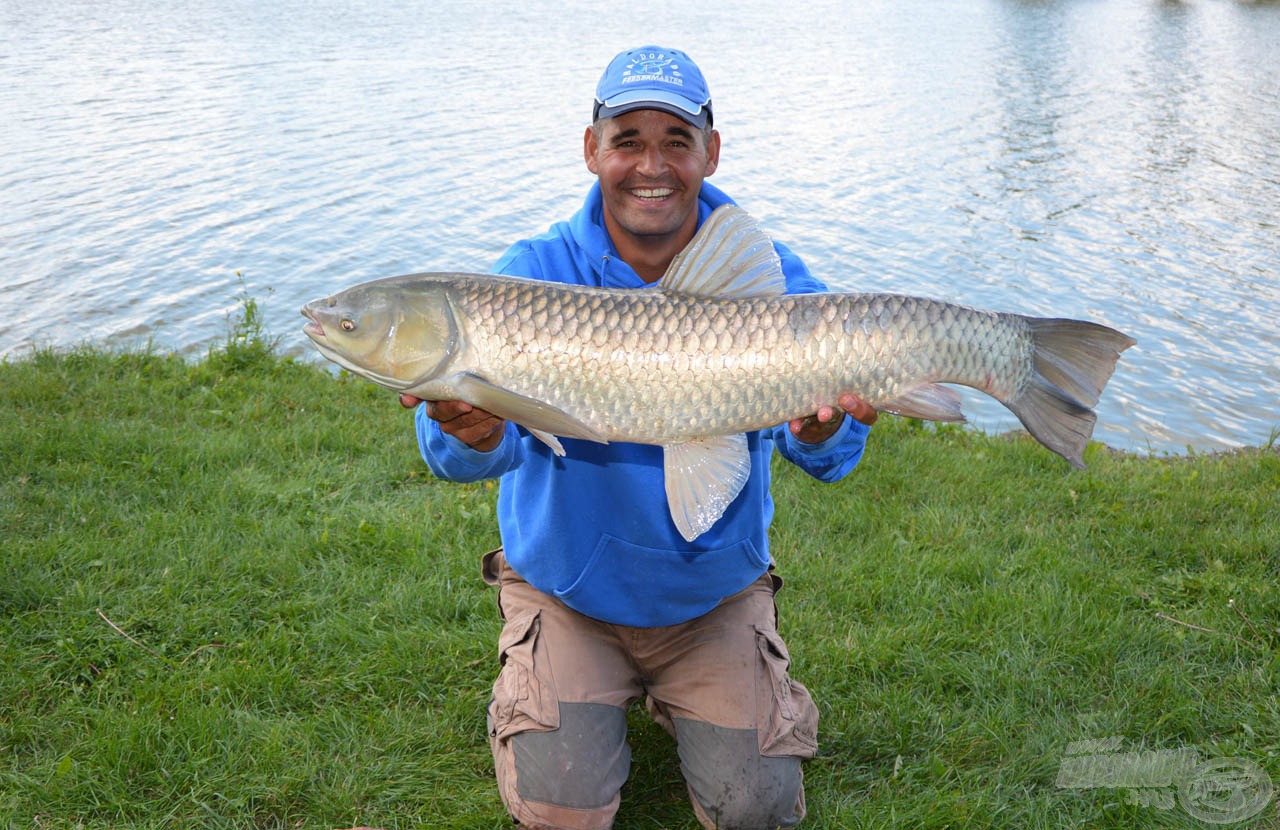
point(652, 162)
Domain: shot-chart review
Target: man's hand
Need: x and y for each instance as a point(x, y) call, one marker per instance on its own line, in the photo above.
point(479, 430)
point(823, 424)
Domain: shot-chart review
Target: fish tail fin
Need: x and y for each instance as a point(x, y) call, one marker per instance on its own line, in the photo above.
point(1073, 360)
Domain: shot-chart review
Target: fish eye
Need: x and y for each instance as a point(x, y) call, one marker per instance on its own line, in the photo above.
point(348, 324)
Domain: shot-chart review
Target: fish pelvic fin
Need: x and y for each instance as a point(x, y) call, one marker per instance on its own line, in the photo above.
point(1073, 360)
point(550, 440)
point(729, 256)
point(703, 477)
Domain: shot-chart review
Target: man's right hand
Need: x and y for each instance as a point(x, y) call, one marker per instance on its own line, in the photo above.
point(479, 430)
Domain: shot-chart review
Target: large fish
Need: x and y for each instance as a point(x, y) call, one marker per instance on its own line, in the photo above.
point(715, 349)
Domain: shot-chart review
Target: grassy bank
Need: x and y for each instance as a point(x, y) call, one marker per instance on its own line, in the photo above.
point(231, 595)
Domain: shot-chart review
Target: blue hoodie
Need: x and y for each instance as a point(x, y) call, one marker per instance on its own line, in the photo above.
point(592, 528)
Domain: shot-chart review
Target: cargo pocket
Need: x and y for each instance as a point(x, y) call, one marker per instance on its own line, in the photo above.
point(524, 698)
point(786, 716)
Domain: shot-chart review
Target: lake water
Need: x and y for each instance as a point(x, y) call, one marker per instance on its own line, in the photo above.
point(1117, 161)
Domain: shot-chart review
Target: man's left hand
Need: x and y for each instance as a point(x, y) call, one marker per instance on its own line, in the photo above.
point(823, 424)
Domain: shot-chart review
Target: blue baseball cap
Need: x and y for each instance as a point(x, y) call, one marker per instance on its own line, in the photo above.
point(654, 78)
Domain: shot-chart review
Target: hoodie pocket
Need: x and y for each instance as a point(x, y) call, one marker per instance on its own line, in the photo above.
point(629, 584)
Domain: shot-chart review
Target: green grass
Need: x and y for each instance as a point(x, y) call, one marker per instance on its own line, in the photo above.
point(231, 595)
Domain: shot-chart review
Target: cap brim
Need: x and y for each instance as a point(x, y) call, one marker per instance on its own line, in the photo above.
point(649, 99)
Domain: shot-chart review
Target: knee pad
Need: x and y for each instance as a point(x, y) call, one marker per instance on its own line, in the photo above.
point(735, 786)
point(582, 764)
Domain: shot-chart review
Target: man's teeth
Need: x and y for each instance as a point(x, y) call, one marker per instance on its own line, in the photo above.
point(653, 192)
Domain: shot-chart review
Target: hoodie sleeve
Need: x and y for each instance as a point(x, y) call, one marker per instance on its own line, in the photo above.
point(831, 460)
point(452, 460)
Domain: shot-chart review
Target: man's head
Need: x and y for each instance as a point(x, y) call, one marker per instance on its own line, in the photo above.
point(651, 144)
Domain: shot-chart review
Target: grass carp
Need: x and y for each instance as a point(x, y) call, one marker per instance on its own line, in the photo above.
point(713, 350)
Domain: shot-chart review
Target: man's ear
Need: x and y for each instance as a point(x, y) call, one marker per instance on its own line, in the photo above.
point(589, 147)
point(713, 153)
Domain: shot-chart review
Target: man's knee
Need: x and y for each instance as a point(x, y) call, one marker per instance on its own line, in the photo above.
point(733, 785)
point(570, 776)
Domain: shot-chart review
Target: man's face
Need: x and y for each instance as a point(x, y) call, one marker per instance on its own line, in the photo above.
point(650, 165)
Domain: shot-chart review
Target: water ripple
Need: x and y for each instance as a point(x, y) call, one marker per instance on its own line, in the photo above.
point(1115, 161)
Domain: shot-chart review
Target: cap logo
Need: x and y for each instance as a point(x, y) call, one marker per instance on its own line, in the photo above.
point(652, 66)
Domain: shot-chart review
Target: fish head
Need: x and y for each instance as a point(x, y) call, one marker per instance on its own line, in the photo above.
point(398, 333)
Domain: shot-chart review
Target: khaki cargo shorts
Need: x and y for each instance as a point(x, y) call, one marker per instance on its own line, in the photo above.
point(718, 684)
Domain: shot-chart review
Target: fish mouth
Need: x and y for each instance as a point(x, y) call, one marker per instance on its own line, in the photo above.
point(313, 328)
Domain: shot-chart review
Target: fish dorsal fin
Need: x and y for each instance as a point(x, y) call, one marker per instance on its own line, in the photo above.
point(542, 419)
point(703, 478)
point(730, 256)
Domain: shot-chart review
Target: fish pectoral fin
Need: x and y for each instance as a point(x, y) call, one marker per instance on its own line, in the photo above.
point(703, 478)
point(534, 415)
point(931, 402)
point(729, 256)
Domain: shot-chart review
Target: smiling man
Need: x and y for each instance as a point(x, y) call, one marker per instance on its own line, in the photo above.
point(604, 601)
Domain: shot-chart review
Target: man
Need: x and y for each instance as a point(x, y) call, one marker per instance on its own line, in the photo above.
point(603, 600)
